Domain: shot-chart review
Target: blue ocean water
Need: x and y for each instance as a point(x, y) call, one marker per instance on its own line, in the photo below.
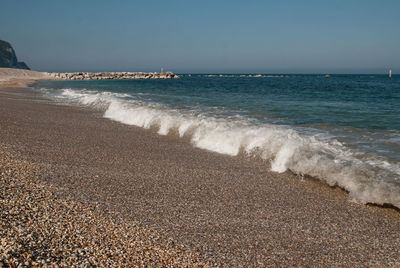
point(344, 130)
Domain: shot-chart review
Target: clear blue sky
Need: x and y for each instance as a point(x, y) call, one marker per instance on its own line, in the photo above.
point(205, 36)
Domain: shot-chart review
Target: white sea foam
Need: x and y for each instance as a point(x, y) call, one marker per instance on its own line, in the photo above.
point(367, 178)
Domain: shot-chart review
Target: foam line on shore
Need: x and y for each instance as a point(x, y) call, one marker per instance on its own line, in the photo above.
point(367, 178)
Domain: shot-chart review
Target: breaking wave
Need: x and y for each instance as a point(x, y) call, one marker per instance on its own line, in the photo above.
point(367, 178)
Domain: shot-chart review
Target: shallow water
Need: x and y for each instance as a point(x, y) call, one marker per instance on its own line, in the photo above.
point(344, 130)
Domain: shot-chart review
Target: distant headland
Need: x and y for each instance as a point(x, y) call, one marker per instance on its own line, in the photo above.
point(8, 58)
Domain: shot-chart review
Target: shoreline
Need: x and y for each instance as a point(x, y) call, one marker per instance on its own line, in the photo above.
point(230, 209)
point(10, 77)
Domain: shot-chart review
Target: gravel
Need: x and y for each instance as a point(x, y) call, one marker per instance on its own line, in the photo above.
point(38, 228)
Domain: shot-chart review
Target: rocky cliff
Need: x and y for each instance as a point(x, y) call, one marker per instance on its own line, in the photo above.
point(8, 59)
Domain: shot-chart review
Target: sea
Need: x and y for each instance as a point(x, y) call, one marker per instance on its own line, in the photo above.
point(343, 130)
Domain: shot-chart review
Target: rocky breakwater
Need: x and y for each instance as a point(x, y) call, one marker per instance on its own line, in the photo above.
point(112, 75)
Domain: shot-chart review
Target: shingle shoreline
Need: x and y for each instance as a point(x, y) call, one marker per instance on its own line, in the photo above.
point(229, 211)
point(39, 228)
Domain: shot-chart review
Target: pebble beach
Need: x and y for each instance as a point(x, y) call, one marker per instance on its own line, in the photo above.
point(40, 229)
point(78, 189)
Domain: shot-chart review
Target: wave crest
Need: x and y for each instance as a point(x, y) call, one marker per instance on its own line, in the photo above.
point(368, 179)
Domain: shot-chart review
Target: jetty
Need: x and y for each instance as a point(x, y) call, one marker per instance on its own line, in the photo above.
point(112, 75)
